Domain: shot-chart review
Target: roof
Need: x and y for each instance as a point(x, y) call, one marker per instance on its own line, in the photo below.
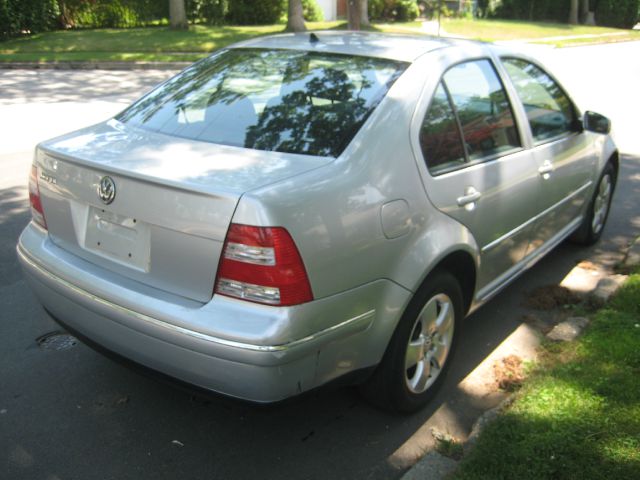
point(406, 48)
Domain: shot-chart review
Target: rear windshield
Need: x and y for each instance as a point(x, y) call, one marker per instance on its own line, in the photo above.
point(283, 100)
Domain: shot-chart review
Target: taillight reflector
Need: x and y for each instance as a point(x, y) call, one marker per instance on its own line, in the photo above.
point(263, 265)
point(37, 212)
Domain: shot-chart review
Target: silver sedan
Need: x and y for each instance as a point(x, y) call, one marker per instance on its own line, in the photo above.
point(302, 209)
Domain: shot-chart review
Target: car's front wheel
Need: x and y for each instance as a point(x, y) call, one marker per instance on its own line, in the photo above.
point(420, 351)
point(593, 224)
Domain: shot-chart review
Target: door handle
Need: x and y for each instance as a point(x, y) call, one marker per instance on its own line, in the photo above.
point(546, 169)
point(470, 197)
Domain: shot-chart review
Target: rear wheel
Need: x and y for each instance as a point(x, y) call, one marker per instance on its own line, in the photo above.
point(420, 351)
point(593, 224)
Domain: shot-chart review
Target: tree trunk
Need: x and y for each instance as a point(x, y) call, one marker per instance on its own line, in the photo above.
point(353, 14)
point(584, 10)
point(66, 20)
point(364, 13)
point(295, 17)
point(573, 13)
point(177, 15)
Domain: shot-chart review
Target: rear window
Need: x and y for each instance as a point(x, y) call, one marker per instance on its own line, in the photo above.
point(281, 100)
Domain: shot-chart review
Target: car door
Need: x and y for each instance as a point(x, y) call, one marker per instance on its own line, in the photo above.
point(564, 157)
point(479, 172)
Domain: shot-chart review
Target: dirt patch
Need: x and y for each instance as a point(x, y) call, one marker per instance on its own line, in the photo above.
point(550, 297)
point(509, 373)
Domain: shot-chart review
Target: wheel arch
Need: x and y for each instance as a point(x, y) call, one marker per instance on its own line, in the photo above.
point(462, 266)
point(614, 159)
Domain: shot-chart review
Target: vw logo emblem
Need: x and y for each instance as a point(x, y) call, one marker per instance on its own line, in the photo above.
point(107, 190)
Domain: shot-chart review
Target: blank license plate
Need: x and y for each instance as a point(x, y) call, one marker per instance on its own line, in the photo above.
point(119, 238)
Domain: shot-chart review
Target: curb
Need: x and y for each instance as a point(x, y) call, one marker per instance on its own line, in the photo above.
point(632, 259)
point(94, 65)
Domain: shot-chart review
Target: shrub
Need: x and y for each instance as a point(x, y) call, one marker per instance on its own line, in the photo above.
point(112, 13)
point(406, 10)
point(617, 13)
point(552, 10)
point(312, 11)
point(17, 16)
point(252, 12)
point(393, 10)
point(211, 12)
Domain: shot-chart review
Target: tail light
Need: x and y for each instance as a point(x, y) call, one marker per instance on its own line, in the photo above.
point(262, 265)
point(37, 213)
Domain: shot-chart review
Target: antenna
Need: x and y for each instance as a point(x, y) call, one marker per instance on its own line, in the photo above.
point(313, 38)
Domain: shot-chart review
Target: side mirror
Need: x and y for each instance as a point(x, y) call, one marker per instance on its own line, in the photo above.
point(594, 122)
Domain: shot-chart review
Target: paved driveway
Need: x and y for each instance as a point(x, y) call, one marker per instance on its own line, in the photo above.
point(75, 414)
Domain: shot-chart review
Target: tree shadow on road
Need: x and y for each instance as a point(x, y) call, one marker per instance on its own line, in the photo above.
point(14, 215)
point(52, 86)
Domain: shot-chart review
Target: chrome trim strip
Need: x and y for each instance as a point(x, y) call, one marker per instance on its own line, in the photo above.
point(518, 229)
point(363, 319)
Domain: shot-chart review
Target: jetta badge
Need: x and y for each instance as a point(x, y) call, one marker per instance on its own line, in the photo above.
point(107, 190)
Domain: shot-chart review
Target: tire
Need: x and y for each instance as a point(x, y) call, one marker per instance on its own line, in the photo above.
point(594, 222)
point(420, 351)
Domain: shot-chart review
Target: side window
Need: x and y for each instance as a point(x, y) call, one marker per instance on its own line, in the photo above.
point(439, 136)
point(549, 110)
point(469, 119)
point(483, 109)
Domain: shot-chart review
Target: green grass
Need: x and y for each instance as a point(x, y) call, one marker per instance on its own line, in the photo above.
point(153, 43)
point(578, 416)
point(494, 30)
point(627, 36)
point(163, 44)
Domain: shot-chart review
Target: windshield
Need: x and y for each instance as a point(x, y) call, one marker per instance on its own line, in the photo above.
point(283, 100)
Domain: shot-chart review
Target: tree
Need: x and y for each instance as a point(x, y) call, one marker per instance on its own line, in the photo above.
point(573, 13)
point(295, 17)
point(354, 14)
point(177, 15)
point(364, 13)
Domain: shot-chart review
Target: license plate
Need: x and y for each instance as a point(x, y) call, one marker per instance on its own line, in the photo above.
point(119, 238)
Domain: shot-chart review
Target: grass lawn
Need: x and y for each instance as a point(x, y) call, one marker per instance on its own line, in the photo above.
point(162, 44)
point(578, 416)
point(494, 30)
point(149, 44)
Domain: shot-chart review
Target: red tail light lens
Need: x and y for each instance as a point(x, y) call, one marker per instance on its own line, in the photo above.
point(263, 265)
point(37, 212)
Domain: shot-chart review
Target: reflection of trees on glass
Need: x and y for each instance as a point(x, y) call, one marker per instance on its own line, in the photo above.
point(439, 136)
point(283, 100)
point(469, 118)
point(314, 119)
point(549, 110)
point(483, 109)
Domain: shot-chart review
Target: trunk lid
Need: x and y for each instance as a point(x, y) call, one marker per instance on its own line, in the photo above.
point(174, 200)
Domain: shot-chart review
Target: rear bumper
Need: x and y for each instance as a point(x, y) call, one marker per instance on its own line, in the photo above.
point(257, 353)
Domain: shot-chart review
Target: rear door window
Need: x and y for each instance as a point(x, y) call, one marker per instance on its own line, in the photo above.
point(469, 119)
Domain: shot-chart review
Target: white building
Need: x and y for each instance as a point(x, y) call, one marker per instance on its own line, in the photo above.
point(329, 9)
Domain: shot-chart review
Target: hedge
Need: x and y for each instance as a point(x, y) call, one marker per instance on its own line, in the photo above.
point(608, 13)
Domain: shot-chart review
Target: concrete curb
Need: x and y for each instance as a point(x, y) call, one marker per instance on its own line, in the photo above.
point(94, 65)
point(632, 259)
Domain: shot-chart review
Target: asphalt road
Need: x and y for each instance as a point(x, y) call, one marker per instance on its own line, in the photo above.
point(74, 414)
